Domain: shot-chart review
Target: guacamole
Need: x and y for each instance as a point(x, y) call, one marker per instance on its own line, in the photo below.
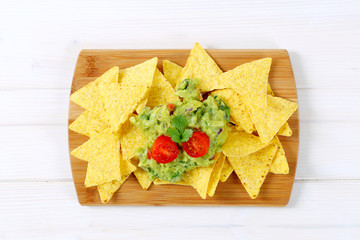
point(209, 116)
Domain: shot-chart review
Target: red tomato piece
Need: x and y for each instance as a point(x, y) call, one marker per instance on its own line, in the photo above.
point(170, 107)
point(149, 155)
point(197, 145)
point(164, 150)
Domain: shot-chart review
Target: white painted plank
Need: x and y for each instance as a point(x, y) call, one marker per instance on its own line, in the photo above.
point(23, 107)
point(50, 210)
point(34, 153)
point(328, 150)
point(328, 105)
point(40, 41)
point(40, 153)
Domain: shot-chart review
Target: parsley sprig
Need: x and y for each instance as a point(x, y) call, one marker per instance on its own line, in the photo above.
point(178, 133)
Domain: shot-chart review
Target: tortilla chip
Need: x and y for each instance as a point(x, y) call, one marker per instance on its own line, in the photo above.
point(285, 130)
point(89, 97)
point(279, 164)
point(236, 125)
point(252, 169)
point(139, 75)
point(102, 170)
point(238, 109)
point(126, 168)
point(172, 72)
point(201, 66)
point(88, 124)
point(269, 120)
point(121, 100)
point(96, 146)
point(215, 175)
point(240, 143)
point(107, 190)
point(249, 80)
point(162, 182)
point(141, 105)
point(131, 139)
point(161, 91)
point(141, 175)
point(199, 178)
point(269, 91)
point(226, 171)
point(103, 154)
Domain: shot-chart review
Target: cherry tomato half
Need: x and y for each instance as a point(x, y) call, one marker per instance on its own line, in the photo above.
point(197, 145)
point(164, 150)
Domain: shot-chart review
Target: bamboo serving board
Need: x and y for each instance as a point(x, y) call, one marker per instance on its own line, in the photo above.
point(276, 189)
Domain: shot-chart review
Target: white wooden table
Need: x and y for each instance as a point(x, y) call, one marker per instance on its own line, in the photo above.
point(39, 44)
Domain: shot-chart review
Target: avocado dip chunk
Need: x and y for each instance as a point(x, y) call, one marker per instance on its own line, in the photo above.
point(182, 135)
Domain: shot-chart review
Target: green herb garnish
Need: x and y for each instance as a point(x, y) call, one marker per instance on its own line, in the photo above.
point(179, 133)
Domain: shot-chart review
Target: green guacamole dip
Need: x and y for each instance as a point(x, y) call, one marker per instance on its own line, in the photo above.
point(209, 116)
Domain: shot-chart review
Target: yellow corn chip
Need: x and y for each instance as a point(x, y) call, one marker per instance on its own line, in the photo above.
point(279, 164)
point(249, 80)
point(120, 102)
point(238, 109)
point(97, 145)
point(102, 170)
point(233, 121)
point(252, 169)
point(126, 168)
point(236, 125)
point(269, 91)
point(88, 124)
point(172, 72)
point(89, 97)
point(162, 182)
point(285, 130)
point(141, 175)
point(161, 91)
point(201, 66)
point(226, 171)
point(240, 143)
point(141, 106)
point(131, 139)
point(121, 99)
point(199, 178)
point(269, 120)
point(103, 155)
point(215, 175)
point(137, 76)
point(107, 190)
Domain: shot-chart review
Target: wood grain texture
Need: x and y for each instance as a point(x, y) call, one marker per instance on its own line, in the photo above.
point(276, 189)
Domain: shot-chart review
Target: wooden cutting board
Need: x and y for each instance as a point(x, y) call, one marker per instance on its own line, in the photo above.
point(276, 189)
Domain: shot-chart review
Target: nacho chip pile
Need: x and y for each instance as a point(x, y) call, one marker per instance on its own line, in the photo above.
point(252, 148)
